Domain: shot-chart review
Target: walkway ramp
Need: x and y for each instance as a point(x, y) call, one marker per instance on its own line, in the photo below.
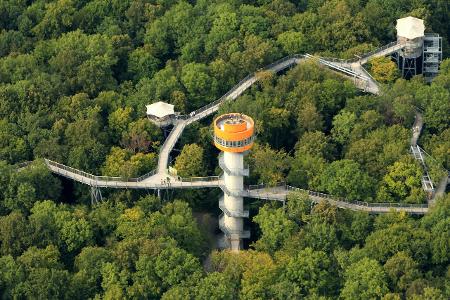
point(240, 88)
point(382, 51)
point(280, 193)
point(355, 72)
point(417, 129)
point(156, 181)
point(342, 68)
point(371, 85)
point(169, 143)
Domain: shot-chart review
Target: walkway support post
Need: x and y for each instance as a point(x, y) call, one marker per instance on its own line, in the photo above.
point(96, 195)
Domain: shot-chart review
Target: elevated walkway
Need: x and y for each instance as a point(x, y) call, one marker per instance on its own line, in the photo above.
point(385, 50)
point(169, 143)
point(280, 193)
point(417, 129)
point(382, 51)
point(419, 154)
point(160, 179)
point(156, 181)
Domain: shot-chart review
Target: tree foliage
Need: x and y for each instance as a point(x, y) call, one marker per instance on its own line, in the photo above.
point(75, 77)
point(190, 161)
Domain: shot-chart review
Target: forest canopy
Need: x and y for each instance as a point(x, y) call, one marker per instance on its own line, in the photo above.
point(75, 76)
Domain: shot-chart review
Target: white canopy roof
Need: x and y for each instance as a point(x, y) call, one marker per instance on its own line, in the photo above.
point(160, 109)
point(410, 27)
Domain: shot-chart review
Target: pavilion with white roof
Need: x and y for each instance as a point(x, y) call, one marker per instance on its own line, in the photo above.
point(410, 32)
point(410, 28)
point(161, 113)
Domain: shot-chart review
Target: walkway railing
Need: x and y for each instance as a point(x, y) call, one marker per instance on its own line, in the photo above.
point(111, 181)
point(96, 177)
point(199, 179)
point(280, 191)
point(360, 203)
point(84, 174)
point(365, 55)
point(148, 175)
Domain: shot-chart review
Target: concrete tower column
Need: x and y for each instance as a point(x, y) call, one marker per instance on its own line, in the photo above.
point(233, 134)
point(235, 185)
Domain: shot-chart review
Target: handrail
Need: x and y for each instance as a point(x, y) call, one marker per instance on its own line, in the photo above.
point(125, 180)
point(360, 203)
point(197, 179)
point(365, 55)
point(145, 176)
point(84, 174)
point(288, 188)
point(262, 186)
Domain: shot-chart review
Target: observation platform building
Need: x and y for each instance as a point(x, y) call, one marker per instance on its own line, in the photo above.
point(161, 113)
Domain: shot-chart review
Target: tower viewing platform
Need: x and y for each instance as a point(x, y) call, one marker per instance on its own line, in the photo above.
point(234, 135)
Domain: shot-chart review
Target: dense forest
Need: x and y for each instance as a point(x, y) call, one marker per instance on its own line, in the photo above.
point(75, 76)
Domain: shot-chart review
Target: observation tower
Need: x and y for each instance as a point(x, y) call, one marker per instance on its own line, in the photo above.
point(234, 135)
point(422, 53)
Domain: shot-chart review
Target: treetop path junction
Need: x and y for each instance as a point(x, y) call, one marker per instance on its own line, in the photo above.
point(414, 52)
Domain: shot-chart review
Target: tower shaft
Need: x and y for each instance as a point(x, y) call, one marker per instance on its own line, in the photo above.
point(233, 201)
point(234, 135)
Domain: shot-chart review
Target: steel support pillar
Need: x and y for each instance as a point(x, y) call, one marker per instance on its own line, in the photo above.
point(96, 195)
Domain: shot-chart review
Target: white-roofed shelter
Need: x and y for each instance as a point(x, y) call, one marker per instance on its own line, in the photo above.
point(421, 52)
point(411, 32)
point(161, 113)
point(410, 28)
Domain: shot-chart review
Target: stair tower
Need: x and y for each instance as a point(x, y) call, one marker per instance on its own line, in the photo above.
point(432, 55)
point(234, 136)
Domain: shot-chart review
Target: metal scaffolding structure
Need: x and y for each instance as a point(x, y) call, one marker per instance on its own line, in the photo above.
point(431, 56)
